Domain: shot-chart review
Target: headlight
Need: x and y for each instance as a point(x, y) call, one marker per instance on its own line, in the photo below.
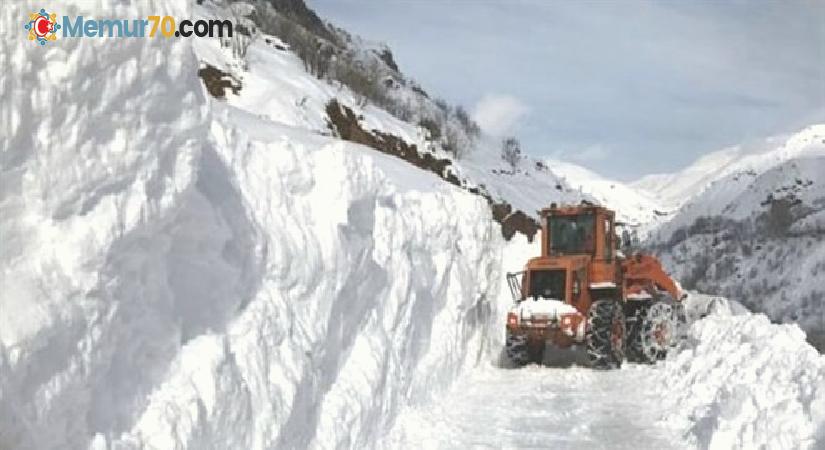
point(512, 319)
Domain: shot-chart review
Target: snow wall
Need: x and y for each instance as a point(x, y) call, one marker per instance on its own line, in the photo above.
point(171, 280)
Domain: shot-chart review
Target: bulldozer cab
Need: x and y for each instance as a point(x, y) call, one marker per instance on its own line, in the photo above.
point(578, 253)
point(571, 234)
point(578, 230)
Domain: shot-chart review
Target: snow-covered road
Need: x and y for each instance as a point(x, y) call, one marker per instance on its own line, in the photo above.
point(549, 406)
point(738, 381)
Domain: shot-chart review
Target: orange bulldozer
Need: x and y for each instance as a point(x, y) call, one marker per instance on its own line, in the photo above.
point(583, 290)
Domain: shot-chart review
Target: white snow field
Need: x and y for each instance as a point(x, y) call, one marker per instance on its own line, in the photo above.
point(178, 272)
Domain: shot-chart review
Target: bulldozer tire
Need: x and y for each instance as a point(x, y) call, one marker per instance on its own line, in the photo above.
point(515, 346)
point(658, 331)
point(605, 334)
point(521, 351)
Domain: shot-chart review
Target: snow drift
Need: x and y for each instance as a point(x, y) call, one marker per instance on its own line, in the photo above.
point(742, 382)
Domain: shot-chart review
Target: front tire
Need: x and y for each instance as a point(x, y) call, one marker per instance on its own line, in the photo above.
point(605, 335)
point(521, 351)
point(515, 346)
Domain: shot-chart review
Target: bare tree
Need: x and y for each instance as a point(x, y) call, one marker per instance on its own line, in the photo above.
point(432, 127)
point(246, 31)
point(511, 152)
point(470, 126)
point(451, 142)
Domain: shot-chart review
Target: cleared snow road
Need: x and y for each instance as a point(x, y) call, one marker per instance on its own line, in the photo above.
point(548, 406)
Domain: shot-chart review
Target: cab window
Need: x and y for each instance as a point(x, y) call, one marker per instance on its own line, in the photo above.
point(571, 234)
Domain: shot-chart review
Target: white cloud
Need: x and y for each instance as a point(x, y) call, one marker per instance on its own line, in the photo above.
point(498, 114)
point(591, 153)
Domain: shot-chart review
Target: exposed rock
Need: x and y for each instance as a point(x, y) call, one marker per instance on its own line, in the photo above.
point(218, 81)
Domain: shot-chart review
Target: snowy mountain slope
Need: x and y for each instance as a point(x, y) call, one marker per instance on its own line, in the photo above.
point(530, 188)
point(634, 207)
point(277, 86)
point(676, 189)
point(758, 237)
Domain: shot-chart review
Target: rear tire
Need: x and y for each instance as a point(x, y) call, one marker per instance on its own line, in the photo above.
point(657, 332)
point(634, 317)
point(605, 334)
point(641, 330)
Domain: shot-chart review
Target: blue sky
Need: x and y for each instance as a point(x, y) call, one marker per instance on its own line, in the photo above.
point(622, 88)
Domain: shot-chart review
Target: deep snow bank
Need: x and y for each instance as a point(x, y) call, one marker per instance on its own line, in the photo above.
point(174, 277)
point(98, 148)
point(372, 288)
point(742, 382)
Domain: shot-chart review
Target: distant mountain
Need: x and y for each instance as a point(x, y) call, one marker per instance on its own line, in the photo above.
point(755, 230)
point(674, 189)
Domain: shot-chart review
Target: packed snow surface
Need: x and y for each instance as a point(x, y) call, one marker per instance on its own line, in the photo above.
point(549, 406)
